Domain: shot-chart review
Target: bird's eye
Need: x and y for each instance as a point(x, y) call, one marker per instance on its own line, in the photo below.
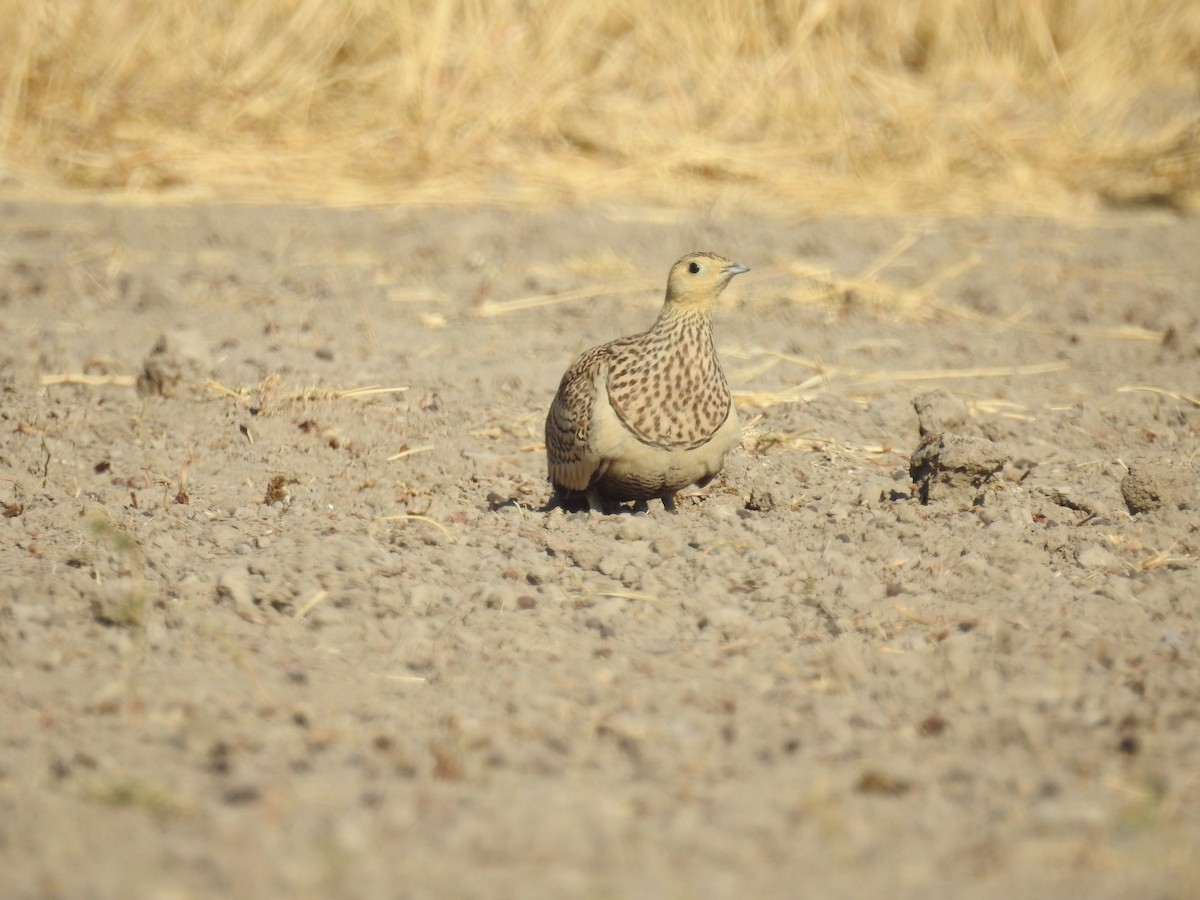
point(694, 267)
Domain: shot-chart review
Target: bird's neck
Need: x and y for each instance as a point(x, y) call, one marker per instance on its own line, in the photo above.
point(675, 317)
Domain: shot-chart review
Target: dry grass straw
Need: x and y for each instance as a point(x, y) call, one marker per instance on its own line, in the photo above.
point(788, 107)
point(87, 380)
point(415, 517)
point(411, 451)
point(1191, 399)
point(269, 386)
point(633, 597)
point(859, 383)
point(310, 604)
point(492, 308)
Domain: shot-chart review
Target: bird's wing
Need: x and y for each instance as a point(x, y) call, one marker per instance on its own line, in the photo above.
point(573, 460)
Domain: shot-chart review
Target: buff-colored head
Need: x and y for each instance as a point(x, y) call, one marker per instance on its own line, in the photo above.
point(698, 278)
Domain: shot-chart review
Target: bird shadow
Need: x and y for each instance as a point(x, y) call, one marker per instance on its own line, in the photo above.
point(573, 504)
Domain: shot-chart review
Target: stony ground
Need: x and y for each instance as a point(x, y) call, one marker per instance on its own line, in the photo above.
point(264, 632)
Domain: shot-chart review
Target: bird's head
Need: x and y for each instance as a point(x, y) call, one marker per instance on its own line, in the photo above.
point(698, 278)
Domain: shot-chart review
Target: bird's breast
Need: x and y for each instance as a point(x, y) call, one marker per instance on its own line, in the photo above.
point(671, 392)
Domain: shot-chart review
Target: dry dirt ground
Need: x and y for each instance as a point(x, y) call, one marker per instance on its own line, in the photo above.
point(265, 635)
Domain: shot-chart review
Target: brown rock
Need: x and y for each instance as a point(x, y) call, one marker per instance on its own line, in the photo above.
point(1153, 485)
point(955, 468)
point(939, 411)
point(176, 358)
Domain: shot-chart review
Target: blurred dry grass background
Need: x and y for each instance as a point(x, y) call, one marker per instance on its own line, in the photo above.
point(780, 106)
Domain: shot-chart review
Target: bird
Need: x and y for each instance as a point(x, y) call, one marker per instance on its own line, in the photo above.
point(644, 416)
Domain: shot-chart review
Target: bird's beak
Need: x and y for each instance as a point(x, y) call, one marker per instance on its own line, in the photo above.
point(735, 269)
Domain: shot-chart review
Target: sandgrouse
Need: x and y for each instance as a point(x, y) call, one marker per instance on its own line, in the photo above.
point(644, 416)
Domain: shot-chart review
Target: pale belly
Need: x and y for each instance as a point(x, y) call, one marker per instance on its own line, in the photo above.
point(636, 471)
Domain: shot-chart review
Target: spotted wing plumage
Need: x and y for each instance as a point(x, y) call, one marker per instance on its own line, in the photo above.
point(571, 457)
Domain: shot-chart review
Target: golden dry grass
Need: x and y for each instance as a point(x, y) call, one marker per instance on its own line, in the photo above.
point(784, 106)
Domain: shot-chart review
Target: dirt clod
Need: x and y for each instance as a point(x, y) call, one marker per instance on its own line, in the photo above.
point(955, 469)
point(1152, 485)
point(177, 360)
point(939, 411)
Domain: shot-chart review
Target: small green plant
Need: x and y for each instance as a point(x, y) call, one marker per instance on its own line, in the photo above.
point(123, 603)
point(132, 792)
